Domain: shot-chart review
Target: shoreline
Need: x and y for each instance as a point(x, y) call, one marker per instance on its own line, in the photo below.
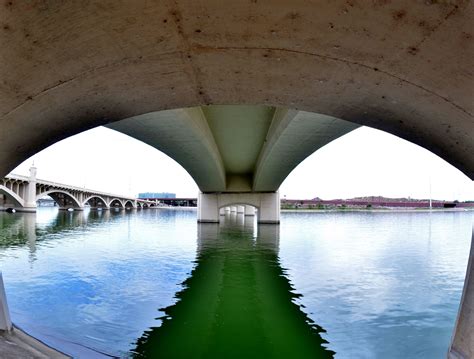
point(17, 344)
point(379, 210)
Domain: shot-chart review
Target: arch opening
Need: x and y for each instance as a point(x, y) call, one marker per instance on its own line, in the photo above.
point(96, 202)
point(129, 204)
point(9, 199)
point(116, 203)
point(64, 200)
point(215, 167)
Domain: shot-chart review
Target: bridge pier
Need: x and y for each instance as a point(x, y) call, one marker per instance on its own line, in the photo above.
point(462, 345)
point(30, 195)
point(5, 321)
point(268, 205)
point(249, 210)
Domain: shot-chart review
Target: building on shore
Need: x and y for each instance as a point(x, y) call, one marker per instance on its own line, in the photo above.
point(372, 202)
point(148, 195)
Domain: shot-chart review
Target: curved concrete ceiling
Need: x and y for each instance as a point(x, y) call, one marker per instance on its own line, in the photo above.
point(184, 135)
point(292, 137)
point(401, 66)
point(235, 148)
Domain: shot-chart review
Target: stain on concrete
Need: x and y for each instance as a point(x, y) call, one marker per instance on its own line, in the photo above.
point(293, 15)
point(399, 15)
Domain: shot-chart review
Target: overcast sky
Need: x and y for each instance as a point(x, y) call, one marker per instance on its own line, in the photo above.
point(361, 163)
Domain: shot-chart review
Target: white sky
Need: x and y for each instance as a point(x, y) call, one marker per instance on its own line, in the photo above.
point(361, 163)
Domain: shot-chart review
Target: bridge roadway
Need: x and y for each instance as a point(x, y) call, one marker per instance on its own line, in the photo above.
point(21, 193)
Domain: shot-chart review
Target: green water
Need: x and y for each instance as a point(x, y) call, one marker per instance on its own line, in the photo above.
point(237, 303)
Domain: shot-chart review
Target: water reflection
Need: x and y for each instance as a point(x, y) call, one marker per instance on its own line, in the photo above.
point(237, 303)
point(384, 285)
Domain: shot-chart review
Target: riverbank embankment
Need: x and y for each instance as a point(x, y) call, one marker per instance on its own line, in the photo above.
point(16, 344)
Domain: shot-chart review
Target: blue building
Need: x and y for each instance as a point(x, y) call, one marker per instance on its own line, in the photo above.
point(157, 195)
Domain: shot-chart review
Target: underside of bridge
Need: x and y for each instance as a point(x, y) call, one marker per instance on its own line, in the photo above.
point(245, 150)
point(402, 66)
point(236, 148)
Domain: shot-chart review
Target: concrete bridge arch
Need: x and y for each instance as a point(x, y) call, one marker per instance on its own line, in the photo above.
point(17, 200)
point(129, 204)
point(100, 198)
point(64, 199)
point(397, 66)
point(113, 201)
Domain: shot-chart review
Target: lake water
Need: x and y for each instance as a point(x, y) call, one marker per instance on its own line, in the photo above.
point(154, 284)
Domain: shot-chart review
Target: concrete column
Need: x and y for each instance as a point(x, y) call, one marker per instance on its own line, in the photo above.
point(249, 210)
point(268, 205)
point(208, 209)
point(222, 212)
point(240, 209)
point(5, 321)
point(462, 344)
point(269, 211)
point(30, 199)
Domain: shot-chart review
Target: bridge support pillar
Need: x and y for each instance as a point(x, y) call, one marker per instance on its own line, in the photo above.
point(268, 204)
point(30, 195)
point(249, 210)
point(462, 345)
point(5, 321)
point(208, 209)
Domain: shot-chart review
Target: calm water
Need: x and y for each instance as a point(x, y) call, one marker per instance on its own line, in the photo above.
point(154, 284)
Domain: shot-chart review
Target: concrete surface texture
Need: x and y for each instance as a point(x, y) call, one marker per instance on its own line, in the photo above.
point(18, 345)
point(462, 346)
point(401, 66)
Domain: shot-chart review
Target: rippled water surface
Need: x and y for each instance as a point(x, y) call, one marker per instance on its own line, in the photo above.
point(154, 284)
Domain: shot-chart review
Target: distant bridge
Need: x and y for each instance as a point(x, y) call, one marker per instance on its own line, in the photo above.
point(22, 193)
